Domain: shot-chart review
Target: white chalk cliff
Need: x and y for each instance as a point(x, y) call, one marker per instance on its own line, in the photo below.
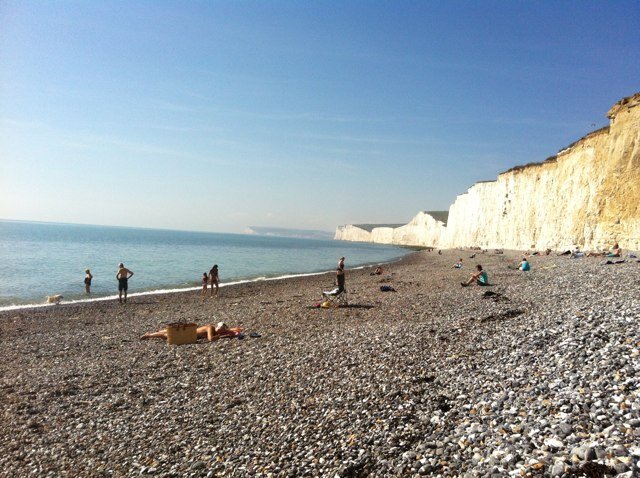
point(588, 195)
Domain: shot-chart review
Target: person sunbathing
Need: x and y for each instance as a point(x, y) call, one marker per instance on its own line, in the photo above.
point(210, 331)
point(479, 277)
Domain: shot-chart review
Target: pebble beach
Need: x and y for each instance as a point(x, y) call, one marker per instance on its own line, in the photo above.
point(536, 375)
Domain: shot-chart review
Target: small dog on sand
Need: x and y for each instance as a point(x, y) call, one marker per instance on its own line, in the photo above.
point(54, 299)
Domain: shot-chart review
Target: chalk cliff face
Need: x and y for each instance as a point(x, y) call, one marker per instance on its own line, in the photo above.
point(423, 230)
point(588, 196)
point(352, 233)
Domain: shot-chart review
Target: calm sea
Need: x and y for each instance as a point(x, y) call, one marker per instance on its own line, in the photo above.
point(40, 259)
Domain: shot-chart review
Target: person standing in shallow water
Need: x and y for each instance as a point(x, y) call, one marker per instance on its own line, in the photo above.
point(87, 281)
point(123, 277)
point(215, 279)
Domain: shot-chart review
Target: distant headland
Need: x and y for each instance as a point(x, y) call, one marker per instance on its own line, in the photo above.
point(286, 232)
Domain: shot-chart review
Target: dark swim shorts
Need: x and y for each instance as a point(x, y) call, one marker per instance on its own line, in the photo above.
point(123, 284)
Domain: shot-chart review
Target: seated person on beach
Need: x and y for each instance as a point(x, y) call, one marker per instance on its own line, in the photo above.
point(377, 272)
point(210, 331)
point(479, 277)
point(457, 265)
point(616, 252)
point(524, 265)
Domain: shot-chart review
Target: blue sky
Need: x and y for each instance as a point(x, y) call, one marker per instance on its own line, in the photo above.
point(215, 116)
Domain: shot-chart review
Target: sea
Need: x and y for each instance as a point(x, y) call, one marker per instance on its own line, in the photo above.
point(42, 259)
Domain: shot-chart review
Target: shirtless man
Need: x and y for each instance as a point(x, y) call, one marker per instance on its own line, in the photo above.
point(210, 331)
point(123, 276)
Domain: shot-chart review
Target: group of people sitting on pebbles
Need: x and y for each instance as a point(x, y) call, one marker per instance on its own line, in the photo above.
point(615, 251)
point(480, 276)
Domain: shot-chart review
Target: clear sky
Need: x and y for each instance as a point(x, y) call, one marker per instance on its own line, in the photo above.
point(215, 116)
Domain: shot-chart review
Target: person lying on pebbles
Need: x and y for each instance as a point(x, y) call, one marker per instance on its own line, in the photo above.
point(210, 331)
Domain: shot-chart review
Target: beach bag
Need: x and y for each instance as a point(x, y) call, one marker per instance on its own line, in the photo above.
point(181, 332)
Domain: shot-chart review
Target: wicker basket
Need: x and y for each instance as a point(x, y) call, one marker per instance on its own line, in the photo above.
point(180, 333)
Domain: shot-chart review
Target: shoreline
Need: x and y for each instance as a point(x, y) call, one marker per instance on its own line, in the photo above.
point(153, 292)
point(7, 308)
point(434, 379)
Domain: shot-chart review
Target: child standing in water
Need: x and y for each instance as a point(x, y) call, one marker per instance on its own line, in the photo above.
point(205, 281)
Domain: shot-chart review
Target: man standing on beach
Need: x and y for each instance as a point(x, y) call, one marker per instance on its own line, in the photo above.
point(123, 276)
point(340, 275)
point(340, 279)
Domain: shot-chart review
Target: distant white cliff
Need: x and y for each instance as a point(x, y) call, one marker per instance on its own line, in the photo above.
point(588, 195)
point(422, 230)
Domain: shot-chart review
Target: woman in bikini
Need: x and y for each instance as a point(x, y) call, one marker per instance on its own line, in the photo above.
point(87, 281)
point(215, 280)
